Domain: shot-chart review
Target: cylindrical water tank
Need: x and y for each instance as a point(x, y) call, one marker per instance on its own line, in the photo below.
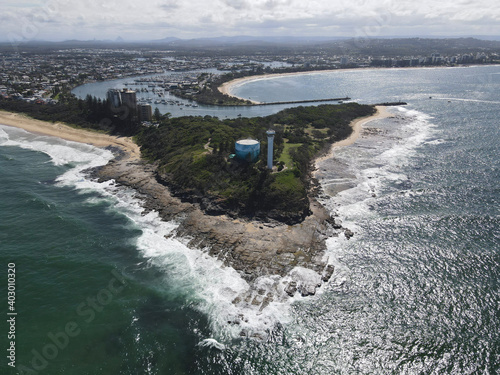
point(247, 149)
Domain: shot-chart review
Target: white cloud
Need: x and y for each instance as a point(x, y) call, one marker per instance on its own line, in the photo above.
point(153, 19)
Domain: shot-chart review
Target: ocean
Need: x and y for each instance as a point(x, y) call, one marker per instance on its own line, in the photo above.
point(102, 289)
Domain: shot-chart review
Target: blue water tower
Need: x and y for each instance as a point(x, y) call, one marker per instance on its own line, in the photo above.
point(247, 149)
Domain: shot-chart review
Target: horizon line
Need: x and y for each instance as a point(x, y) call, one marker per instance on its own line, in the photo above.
point(170, 39)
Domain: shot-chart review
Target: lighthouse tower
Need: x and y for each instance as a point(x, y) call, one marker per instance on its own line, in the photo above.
point(270, 144)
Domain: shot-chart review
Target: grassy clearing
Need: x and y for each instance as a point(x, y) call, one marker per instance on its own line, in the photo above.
point(311, 131)
point(285, 155)
point(180, 146)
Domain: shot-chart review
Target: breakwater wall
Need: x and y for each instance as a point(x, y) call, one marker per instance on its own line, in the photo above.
point(305, 101)
point(388, 104)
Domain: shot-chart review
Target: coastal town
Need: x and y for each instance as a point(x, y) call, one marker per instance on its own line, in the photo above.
point(250, 187)
point(40, 74)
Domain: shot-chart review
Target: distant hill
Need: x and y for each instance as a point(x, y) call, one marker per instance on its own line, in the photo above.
point(389, 47)
point(412, 46)
point(166, 40)
point(244, 44)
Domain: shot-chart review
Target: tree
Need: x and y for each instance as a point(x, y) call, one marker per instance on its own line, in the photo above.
point(157, 114)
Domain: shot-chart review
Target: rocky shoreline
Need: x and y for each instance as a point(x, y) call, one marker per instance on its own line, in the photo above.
point(292, 255)
point(253, 248)
point(278, 261)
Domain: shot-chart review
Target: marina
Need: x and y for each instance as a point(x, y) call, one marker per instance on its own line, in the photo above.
point(415, 290)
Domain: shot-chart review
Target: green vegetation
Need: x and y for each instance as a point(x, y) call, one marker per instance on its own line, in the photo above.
point(285, 156)
point(193, 152)
point(206, 174)
point(208, 88)
point(90, 113)
point(208, 92)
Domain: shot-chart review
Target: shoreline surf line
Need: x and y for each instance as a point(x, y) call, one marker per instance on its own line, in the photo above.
point(357, 127)
point(226, 87)
point(70, 134)
point(255, 249)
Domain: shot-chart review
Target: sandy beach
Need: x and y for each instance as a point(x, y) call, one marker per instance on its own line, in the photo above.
point(226, 87)
point(251, 247)
point(70, 134)
point(357, 126)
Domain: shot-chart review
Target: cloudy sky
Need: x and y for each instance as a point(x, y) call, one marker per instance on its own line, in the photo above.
point(156, 19)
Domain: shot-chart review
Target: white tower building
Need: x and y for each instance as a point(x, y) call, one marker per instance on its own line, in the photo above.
point(270, 144)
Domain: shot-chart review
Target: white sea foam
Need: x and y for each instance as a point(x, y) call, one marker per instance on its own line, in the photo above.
point(470, 100)
point(376, 168)
point(212, 343)
point(4, 137)
point(435, 142)
point(204, 282)
point(60, 151)
point(372, 171)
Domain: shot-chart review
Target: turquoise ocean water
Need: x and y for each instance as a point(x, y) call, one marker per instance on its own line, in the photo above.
point(101, 290)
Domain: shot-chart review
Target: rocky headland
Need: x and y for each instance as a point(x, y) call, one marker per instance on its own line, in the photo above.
point(253, 248)
point(291, 255)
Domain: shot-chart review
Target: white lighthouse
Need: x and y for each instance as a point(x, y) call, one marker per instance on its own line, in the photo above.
point(270, 144)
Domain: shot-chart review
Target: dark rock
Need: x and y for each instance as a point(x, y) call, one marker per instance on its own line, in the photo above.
point(291, 288)
point(335, 224)
point(236, 300)
point(307, 290)
point(267, 300)
point(211, 207)
point(253, 246)
point(257, 300)
point(327, 273)
point(348, 233)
